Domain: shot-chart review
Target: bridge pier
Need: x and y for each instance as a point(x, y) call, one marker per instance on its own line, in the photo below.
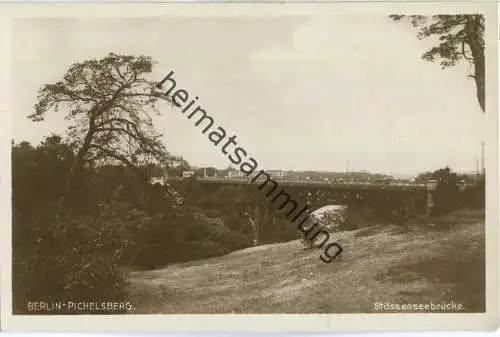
point(414, 206)
point(430, 187)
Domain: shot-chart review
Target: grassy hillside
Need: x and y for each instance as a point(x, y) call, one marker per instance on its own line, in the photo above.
point(437, 260)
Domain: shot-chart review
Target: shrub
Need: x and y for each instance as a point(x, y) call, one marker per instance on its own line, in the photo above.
point(183, 237)
point(474, 197)
point(61, 259)
point(359, 217)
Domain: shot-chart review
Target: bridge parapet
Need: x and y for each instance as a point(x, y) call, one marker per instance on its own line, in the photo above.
point(319, 184)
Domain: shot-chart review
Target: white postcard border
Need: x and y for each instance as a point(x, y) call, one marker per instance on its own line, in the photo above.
point(253, 323)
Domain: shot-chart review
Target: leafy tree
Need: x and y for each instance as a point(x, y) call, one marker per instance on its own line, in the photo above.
point(179, 164)
point(423, 177)
point(461, 38)
point(154, 170)
point(73, 258)
point(108, 103)
point(211, 171)
point(37, 173)
point(76, 255)
point(446, 193)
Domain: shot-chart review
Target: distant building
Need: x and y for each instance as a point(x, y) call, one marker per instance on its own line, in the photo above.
point(383, 181)
point(405, 181)
point(235, 174)
point(187, 174)
point(431, 184)
point(277, 174)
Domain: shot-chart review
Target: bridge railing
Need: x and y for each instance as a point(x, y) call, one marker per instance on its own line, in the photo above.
point(296, 182)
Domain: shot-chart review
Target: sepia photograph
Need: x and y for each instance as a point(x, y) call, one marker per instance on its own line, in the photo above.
point(313, 163)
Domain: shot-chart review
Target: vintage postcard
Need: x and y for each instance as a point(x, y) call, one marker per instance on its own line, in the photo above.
point(298, 167)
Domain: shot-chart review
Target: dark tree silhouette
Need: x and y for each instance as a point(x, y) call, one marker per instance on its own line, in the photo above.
point(446, 193)
point(461, 38)
point(108, 102)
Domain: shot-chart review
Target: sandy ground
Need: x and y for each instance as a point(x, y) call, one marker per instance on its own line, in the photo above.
point(439, 263)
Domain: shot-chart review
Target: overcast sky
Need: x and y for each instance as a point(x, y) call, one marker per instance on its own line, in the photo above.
point(298, 92)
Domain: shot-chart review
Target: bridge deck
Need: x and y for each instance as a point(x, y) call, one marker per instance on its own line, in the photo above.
point(309, 183)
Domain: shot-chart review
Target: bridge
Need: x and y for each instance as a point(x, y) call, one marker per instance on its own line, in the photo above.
point(384, 197)
point(395, 186)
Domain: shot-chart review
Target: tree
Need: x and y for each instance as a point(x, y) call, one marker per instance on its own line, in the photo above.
point(211, 171)
point(446, 194)
point(37, 172)
point(423, 177)
point(255, 224)
point(461, 38)
point(179, 165)
point(107, 102)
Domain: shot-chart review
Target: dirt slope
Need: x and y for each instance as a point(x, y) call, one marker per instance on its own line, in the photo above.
point(444, 262)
